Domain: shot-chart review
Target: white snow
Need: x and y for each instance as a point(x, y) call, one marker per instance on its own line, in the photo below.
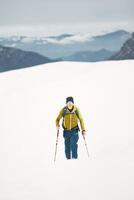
point(30, 100)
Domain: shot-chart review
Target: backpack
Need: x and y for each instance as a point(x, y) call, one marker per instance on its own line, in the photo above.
point(65, 113)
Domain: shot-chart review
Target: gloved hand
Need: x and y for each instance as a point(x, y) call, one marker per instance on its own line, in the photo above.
point(58, 128)
point(83, 132)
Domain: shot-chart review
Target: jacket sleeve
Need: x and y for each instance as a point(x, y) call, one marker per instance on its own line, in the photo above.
point(59, 117)
point(81, 119)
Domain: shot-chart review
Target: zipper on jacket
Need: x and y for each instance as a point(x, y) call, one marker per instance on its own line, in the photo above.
point(70, 121)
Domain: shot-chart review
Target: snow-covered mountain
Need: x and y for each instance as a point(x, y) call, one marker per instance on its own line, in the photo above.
point(67, 44)
point(30, 100)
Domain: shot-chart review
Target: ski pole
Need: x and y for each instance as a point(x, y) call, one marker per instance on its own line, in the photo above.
point(86, 145)
point(56, 145)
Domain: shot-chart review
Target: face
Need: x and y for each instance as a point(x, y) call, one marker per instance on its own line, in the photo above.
point(70, 104)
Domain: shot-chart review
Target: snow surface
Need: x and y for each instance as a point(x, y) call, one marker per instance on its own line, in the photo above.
point(30, 100)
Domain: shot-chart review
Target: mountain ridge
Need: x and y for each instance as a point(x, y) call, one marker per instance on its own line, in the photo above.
point(14, 58)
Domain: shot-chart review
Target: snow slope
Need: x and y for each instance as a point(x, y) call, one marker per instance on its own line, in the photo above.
point(30, 100)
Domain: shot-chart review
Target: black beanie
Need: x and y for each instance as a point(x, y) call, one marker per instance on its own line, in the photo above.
point(69, 99)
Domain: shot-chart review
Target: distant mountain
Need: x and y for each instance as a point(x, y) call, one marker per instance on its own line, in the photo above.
point(110, 41)
point(90, 56)
point(112, 35)
point(61, 37)
point(67, 44)
point(126, 51)
point(12, 58)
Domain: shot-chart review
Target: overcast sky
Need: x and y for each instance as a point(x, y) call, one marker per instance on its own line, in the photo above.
point(38, 12)
point(64, 11)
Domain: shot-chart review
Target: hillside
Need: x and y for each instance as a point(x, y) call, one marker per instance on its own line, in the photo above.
point(90, 56)
point(126, 51)
point(12, 58)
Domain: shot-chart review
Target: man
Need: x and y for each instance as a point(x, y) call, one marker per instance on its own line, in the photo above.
point(71, 115)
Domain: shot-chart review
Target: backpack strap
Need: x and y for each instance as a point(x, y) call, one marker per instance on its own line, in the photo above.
point(65, 112)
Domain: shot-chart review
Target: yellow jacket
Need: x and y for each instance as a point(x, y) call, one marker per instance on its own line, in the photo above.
point(71, 118)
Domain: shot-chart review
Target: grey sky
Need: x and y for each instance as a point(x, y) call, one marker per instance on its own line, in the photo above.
point(33, 12)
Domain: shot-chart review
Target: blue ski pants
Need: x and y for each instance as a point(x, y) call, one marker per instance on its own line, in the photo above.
point(71, 138)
